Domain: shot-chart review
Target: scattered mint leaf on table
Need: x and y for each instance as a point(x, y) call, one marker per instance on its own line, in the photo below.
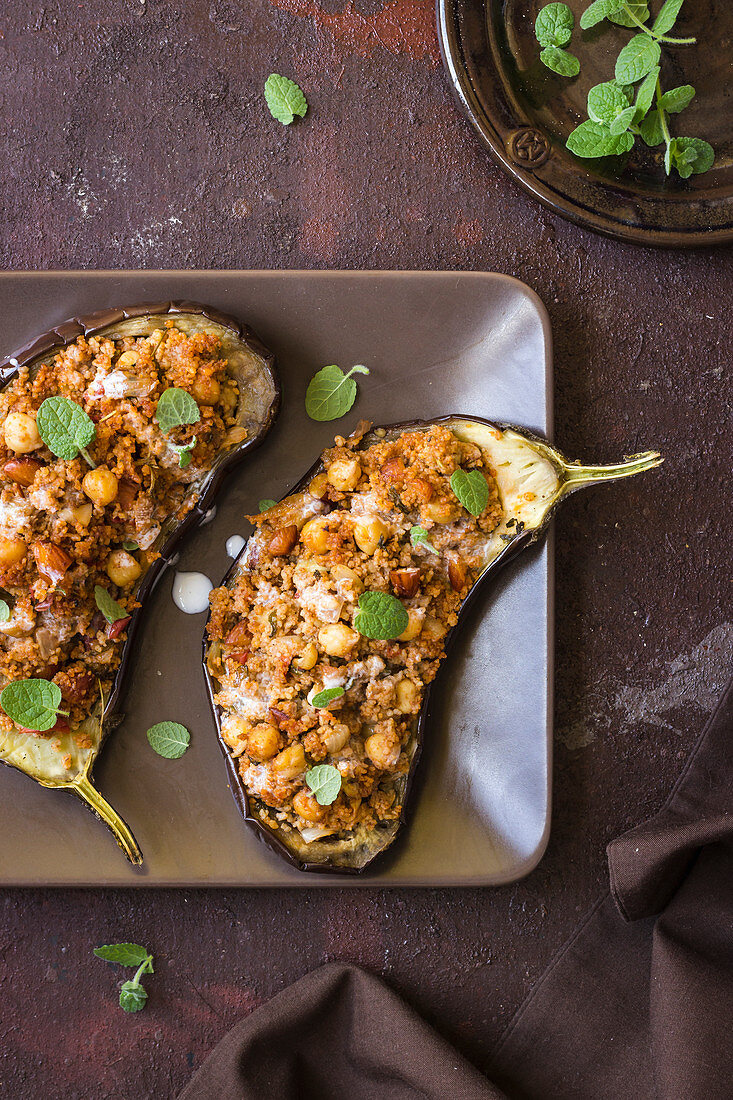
point(4, 611)
point(133, 995)
point(554, 25)
point(175, 408)
point(560, 61)
point(676, 99)
point(380, 616)
point(109, 607)
point(323, 698)
point(471, 489)
point(169, 739)
point(32, 704)
point(593, 139)
point(126, 954)
point(419, 537)
point(266, 504)
point(284, 98)
point(65, 428)
point(331, 393)
point(325, 782)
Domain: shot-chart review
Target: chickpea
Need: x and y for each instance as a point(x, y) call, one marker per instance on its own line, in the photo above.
point(433, 629)
point(307, 657)
point(290, 762)
point(344, 474)
point(83, 514)
point(306, 807)
point(11, 552)
point(263, 741)
point(122, 568)
point(407, 696)
point(347, 581)
point(439, 511)
point(415, 618)
point(368, 532)
point(206, 391)
point(234, 729)
point(336, 737)
point(305, 572)
point(314, 535)
point(337, 639)
point(21, 433)
point(382, 751)
point(100, 485)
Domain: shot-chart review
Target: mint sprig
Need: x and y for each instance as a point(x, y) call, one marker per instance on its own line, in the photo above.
point(471, 489)
point(109, 607)
point(381, 616)
point(65, 428)
point(419, 537)
point(4, 611)
point(323, 698)
point(133, 996)
point(331, 393)
point(184, 450)
point(33, 704)
point(615, 117)
point(175, 408)
point(266, 504)
point(284, 98)
point(325, 783)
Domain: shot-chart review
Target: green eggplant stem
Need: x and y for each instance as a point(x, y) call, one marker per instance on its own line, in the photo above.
point(577, 477)
point(88, 793)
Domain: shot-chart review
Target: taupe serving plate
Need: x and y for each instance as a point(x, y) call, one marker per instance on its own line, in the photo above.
point(523, 113)
point(434, 342)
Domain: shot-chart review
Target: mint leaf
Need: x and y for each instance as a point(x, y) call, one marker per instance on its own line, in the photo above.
point(183, 450)
point(65, 428)
point(554, 25)
point(325, 782)
point(471, 489)
point(266, 504)
point(637, 58)
point(284, 98)
point(130, 544)
point(622, 122)
point(32, 704)
point(651, 129)
point(331, 393)
point(667, 16)
point(176, 407)
point(645, 95)
point(132, 996)
point(676, 99)
point(126, 954)
point(598, 11)
point(380, 616)
point(169, 739)
point(560, 61)
point(323, 698)
point(606, 102)
point(109, 607)
point(593, 139)
point(4, 611)
point(640, 8)
point(419, 537)
point(690, 156)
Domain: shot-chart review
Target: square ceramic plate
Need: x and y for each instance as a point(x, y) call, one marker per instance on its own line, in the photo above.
point(435, 343)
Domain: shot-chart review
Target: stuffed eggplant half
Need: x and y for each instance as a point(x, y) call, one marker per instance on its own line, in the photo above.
point(330, 628)
point(115, 432)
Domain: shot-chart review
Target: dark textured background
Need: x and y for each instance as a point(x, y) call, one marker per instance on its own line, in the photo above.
point(134, 135)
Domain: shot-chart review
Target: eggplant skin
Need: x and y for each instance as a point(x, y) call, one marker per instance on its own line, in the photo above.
point(532, 478)
point(253, 365)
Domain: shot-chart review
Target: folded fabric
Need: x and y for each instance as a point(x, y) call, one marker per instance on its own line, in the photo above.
point(338, 1032)
point(637, 1006)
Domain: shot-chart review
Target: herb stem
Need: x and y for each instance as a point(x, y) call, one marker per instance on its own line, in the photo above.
point(654, 35)
point(662, 115)
point(141, 970)
point(85, 454)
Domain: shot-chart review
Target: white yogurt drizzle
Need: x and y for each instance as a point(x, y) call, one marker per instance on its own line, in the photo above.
point(191, 592)
point(234, 545)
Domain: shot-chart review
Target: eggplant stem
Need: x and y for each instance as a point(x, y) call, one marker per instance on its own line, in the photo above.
point(88, 793)
point(577, 477)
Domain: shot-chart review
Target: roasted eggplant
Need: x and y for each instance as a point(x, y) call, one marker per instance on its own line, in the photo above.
point(395, 531)
point(63, 757)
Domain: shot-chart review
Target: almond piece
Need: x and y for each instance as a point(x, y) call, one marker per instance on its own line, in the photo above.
point(283, 541)
point(51, 561)
point(405, 582)
point(457, 571)
point(22, 470)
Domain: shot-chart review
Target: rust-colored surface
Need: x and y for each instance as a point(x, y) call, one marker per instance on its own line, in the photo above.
point(135, 135)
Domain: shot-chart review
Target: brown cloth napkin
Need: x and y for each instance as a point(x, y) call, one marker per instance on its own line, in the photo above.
point(639, 1008)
